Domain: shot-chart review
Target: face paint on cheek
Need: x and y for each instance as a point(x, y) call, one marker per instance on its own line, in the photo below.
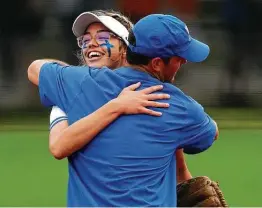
point(84, 46)
point(108, 47)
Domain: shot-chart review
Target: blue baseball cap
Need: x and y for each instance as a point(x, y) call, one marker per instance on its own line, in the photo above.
point(159, 35)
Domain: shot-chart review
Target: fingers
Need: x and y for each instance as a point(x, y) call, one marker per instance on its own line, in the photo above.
point(133, 86)
point(156, 104)
point(153, 104)
point(150, 112)
point(159, 96)
point(152, 89)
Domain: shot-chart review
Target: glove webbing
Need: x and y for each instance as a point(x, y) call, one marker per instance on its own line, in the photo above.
point(215, 185)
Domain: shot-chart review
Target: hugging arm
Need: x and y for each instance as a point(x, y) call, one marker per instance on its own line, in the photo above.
point(62, 145)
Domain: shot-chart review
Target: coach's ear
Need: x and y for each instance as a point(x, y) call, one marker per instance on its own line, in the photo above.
point(217, 131)
point(124, 55)
point(34, 71)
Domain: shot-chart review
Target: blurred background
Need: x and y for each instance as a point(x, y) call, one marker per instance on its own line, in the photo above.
point(228, 85)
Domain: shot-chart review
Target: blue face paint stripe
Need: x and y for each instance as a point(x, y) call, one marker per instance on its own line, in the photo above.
point(84, 46)
point(108, 47)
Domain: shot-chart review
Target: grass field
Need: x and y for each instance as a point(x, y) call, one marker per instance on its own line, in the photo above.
point(29, 176)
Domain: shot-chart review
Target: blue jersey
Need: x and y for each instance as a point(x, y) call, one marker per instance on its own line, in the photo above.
point(132, 161)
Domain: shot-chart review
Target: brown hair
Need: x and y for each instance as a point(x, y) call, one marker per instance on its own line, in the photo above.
point(116, 15)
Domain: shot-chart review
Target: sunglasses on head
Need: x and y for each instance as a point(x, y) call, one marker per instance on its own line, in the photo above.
point(100, 37)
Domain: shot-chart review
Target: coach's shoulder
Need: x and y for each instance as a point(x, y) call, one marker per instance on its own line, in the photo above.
point(195, 111)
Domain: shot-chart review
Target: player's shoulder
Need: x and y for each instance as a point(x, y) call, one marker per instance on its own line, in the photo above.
point(106, 74)
point(99, 71)
point(104, 77)
point(182, 100)
point(178, 94)
point(64, 68)
point(87, 72)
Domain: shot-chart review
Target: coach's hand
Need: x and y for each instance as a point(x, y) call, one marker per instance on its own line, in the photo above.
point(137, 102)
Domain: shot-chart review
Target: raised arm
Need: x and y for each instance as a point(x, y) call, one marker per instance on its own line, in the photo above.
point(57, 84)
point(35, 67)
point(84, 130)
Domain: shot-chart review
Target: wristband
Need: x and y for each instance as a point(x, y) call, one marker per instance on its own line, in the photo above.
point(56, 116)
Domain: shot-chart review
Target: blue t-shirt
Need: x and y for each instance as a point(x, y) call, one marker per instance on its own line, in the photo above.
point(132, 161)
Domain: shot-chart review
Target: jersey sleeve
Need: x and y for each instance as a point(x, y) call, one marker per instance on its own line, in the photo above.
point(200, 132)
point(59, 85)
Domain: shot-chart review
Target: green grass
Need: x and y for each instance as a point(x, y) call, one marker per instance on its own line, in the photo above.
point(29, 176)
point(234, 161)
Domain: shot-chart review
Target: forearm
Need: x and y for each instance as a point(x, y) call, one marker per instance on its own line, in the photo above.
point(56, 131)
point(182, 172)
point(83, 131)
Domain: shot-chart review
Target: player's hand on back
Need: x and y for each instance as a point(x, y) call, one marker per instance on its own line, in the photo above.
point(131, 101)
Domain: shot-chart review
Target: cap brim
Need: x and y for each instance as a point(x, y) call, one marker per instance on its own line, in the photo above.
point(82, 22)
point(196, 52)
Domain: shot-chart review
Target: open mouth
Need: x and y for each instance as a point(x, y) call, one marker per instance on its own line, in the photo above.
point(94, 55)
